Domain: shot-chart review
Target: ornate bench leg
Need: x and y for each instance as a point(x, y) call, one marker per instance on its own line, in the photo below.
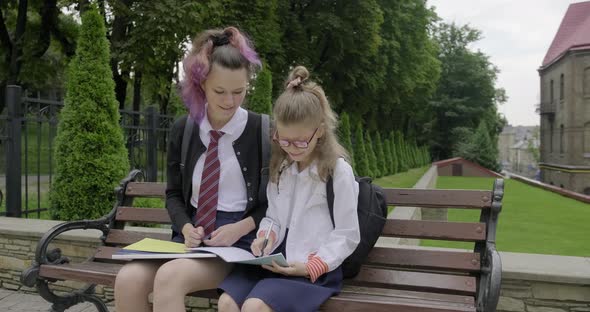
point(61, 303)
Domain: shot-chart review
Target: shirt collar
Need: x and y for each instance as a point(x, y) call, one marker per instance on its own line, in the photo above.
point(231, 127)
point(311, 170)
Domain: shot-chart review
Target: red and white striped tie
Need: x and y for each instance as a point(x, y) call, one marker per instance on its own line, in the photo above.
point(208, 191)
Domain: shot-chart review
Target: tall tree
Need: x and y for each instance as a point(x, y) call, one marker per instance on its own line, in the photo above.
point(37, 40)
point(480, 149)
point(466, 92)
point(90, 153)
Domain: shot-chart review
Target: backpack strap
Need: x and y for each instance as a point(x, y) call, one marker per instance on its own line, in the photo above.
point(330, 197)
point(186, 138)
point(265, 148)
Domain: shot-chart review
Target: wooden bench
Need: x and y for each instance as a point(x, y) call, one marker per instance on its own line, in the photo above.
point(393, 279)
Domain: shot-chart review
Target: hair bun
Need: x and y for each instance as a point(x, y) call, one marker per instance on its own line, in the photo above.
point(299, 72)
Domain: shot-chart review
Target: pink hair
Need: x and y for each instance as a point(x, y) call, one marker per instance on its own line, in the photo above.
point(198, 64)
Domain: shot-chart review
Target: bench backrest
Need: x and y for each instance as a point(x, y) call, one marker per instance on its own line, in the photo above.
point(400, 267)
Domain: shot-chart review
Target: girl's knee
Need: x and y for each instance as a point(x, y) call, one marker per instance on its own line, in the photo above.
point(167, 274)
point(227, 303)
point(255, 305)
point(134, 274)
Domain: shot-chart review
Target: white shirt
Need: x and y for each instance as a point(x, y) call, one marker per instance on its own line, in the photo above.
point(299, 203)
point(232, 196)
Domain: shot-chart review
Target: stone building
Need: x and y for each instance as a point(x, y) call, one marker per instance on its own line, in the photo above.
point(517, 146)
point(565, 103)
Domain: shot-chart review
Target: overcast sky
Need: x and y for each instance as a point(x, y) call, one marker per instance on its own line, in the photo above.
point(516, 36)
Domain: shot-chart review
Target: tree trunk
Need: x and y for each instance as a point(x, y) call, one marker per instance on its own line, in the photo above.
point(48, 14)
point(17, 46)
point(121, 25)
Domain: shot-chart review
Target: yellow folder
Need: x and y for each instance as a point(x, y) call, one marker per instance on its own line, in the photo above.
point(157, 245)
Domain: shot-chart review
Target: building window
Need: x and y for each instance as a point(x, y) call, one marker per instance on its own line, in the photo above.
point(551, 95)
point(561, 87)
point(561, 138)
point(587, 138)
point(550, 136)
point(586, 82)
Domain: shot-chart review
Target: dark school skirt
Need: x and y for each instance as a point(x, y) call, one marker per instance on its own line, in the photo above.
point(282, 293)
point(223, 218)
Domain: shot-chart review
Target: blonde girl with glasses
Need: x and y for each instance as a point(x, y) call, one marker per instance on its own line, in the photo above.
point(305, 153)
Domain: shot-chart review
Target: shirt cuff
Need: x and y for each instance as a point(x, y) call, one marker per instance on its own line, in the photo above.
point(316, 267)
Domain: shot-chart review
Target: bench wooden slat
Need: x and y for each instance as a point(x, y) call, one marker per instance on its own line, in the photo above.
point(106, 252)
point(154, 215)
point(146, 189)
point(90, 272)
point(420, 281)
point(468, 199)
point(122, 237)
point(452, 231)
point(105, 273)
point(363, 302)
point(424, 259)
point(397, 293)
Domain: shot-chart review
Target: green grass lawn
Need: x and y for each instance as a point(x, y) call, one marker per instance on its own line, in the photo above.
point(402, 180)
point(532, 220)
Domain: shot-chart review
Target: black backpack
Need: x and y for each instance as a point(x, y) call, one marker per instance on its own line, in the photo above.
point(372, 214)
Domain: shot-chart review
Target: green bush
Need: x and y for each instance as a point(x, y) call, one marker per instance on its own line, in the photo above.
point(394, 156)
point(361, 158)
point(388, 163)
point(90, 152)
point(400, 149)
point(345, 134)
point(380, 154)
point(372, 157)
point(260, 99)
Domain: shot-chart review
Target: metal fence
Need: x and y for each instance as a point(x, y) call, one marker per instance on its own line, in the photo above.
point(27, 133)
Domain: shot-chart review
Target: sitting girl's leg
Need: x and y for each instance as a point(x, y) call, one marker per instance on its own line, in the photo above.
point(177, 278)
point(255, 305)
point(227, 304)
point(134, 282)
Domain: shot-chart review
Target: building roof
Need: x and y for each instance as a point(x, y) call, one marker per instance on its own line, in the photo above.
point(573, 33)
point(447, 162)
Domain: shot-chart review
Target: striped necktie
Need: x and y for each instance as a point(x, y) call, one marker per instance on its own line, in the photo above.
point(208, 191)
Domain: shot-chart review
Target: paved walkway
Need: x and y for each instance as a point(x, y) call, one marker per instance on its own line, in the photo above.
point(13, 301)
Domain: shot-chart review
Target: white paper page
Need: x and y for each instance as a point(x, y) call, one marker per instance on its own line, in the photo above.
point(238, 255)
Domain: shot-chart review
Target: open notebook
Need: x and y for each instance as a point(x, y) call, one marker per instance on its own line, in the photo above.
point(149, 248)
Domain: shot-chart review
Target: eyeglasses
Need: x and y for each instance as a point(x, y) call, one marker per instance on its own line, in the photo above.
point(298, 144)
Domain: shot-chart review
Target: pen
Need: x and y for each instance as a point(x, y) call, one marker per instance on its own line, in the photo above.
point(266, 238)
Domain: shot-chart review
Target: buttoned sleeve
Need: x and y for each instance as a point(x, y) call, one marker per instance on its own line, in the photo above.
point(343, 240)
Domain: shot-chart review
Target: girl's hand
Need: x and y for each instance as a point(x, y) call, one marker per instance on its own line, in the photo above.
point(192, 236)
point(294, 269)
point(225, 235)
point(258, 244)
